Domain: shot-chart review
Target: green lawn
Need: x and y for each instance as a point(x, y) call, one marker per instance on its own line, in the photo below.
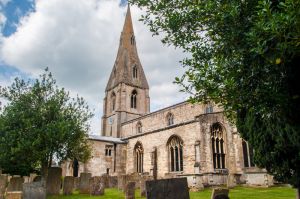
point(236, 193)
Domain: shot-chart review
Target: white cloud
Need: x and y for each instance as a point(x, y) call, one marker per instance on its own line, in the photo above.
point(78, 41)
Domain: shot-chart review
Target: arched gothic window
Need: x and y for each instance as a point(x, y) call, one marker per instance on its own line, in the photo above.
point(139, 157)
point(113, 101)
point(170, 119)
point(217, 144)
point(139, 127)
point(133, 99)
point(134, 72)
point(248, 154)
point(175, 148)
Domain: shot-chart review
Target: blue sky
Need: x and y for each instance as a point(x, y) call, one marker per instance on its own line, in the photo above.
point(78, 41)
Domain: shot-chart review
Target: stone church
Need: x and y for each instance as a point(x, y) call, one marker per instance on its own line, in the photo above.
point(183, 140)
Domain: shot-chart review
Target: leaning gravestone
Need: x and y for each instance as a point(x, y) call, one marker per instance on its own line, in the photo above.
point(54, 180)
point(97, 186)
point(84, 183)
point(15, 184)
point(130, 190)
point(176, 188)
point(34, 190)
point(220, 193)
point(3, 183)
point(68, 185)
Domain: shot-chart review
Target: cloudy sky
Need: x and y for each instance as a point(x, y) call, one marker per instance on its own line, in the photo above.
point(78, 41)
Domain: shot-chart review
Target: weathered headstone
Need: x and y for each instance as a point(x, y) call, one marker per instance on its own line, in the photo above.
point(219, 193)
point(175, 188)
point(113, 182)
point(97, 186)
point(68, 185)
point(13, 195)
point(15, 184)
point(54, 180)
point(231, 181)
point(84, 183)
point(34, 190)
point(26, 179)
point(3, 183)
point(121, 182)
point(32, 176)
point(76, 183)
point(105, 180)
point(143, 186)
point(130, 190)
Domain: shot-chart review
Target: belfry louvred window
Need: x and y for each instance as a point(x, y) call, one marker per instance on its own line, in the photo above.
point(217, 144)
point(134, 72)
point(175, 147)
point(133, 101)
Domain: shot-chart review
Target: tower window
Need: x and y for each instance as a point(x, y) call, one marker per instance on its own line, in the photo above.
point(133, 101)
point(113, 101)
point(170, 119)
point(108, 149)
point(175, 146)
point(134, 72)
point(217, 144)
point(248, 154)
point(132, 40)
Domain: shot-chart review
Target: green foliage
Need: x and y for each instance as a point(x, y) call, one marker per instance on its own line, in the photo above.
point(244, 56)
point(41, 123)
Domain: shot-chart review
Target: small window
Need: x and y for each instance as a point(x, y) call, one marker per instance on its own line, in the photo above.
point(108, 150)
point(132, 40)
point(170, 119)
point(113, 101)
point(133, 101)
point(134, 72)
point(107, 171)
point(209, 109)
point(139, 127)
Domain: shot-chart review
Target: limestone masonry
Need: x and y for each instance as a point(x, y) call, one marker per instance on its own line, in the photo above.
point(184, 140)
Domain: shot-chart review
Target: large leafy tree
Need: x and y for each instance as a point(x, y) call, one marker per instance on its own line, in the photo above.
point(245, 56)
point(40, 124)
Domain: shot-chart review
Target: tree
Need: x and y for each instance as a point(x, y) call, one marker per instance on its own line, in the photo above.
point(244, 56)
point(40, 124)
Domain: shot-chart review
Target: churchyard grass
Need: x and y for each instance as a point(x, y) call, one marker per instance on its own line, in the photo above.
point(236, 193)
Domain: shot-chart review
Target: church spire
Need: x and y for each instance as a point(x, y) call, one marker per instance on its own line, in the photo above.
point(127, 68)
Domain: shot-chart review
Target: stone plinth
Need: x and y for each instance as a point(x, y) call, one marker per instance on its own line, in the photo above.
point(15, 184)
point(13, 195)
point(54, 180)
point(84, 183)
point(97, 186)
point(34, 190)
point(68, 185)
point(176, 188)
point(130, 190)
point(219, 193)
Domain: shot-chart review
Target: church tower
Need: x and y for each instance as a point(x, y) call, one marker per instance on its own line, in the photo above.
point(127, 90)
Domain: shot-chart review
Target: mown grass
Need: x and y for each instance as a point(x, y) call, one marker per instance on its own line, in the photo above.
point(236, 193)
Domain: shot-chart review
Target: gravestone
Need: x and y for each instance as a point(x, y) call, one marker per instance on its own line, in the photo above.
point(68, 185)
point(105, 180)
point(143, 186)
point(231, 181)
point(175, 188)
point(113, 182)
point(84, 183)
point(76, 183)
point(53, 180)
point(121, 182)
point(219, 193)
point(34, 190)
point(3, 184)
point(15, 184)
point(32, 176)
point(97, 186)
point(130, 190)
point(13, 195)
point(26, 179)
